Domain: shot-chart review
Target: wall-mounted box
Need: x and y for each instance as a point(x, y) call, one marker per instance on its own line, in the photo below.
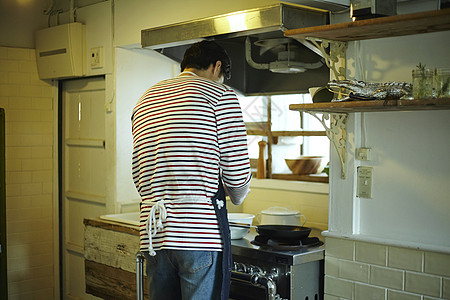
point(60, 51)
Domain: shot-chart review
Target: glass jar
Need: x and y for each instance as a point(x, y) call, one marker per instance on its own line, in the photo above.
point(422, 83)
point(442, 83)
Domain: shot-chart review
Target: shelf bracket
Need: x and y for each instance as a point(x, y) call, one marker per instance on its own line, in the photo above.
point(335, 60)
point(336, 133)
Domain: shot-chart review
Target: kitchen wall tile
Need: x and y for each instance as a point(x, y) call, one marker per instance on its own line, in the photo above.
point(27, 66)
point(331, 266)
point(3, 52)
point(422, 284)
point(339, 248)
point(446, 288)
point(397, 295)
point(353, 271)
point(18, 153)
point(386, 277)
point(18, 177)
point(331, 297)
point(7, 90)
point(437, 263)
point(4, 102)
point(19, 78)
point(19, 54)
point(4, 77)
point(370, 253)
point(368, 292)
point(432, 298)
point(338, 287)
point(20, 102)
point(29, 162)
point(42, 103)
point(9, 66)
point(407, 259)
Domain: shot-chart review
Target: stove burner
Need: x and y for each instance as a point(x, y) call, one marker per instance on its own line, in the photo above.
point(277, 244)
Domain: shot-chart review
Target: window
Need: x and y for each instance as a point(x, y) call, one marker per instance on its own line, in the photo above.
point(268, 118)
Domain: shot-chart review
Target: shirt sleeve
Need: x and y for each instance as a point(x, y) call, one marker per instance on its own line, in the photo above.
point(232, 139)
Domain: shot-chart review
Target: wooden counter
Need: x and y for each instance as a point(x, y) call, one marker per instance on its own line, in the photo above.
point(110, 259)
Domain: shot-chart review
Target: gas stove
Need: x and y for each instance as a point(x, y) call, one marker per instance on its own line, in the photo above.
point(276, 270)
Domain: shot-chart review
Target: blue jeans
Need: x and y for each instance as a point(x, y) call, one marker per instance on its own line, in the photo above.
point(187, 275)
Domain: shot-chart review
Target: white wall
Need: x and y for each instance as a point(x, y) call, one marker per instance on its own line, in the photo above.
point(410, 199)
point(136, 70)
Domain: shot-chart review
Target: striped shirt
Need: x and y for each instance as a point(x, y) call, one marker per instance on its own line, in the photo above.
point(185, 131)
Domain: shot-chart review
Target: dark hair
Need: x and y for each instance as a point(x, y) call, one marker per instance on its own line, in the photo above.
point(202, 54)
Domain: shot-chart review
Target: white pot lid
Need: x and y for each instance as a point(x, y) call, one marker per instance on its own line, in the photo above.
point(280, 211)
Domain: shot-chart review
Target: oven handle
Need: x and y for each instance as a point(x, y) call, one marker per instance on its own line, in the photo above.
point(258, 280)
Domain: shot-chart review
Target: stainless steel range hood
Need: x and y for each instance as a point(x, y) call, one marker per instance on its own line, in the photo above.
point(263, 60)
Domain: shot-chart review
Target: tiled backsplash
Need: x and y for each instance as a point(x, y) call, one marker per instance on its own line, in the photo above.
point(360, 270)
point(29, 115)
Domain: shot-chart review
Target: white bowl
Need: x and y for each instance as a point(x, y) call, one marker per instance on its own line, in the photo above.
point(238, 232)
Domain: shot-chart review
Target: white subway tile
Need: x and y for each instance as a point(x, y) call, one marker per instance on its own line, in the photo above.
point(28, 189)
point(364, 291)
point(18, 177)
point(31, 91)
point(4, 77)
point(18, 152)
point(370, 253)
point(339, 248)
point(398, 295)
point(331, 297)
point(9, 66)
point(437, 263)
point(4, 102)
point(338, 287)
point(421, 283)
point(7, 90)
point(446, 288)
point(331, 266)
point(19, 78)
point(20, 102)
point(406, 259)
point(3, 52)
point(19, 54)
point(386, 277)
point(42, 103)
point(353, 271)
point(28, 66)
point(42, 152)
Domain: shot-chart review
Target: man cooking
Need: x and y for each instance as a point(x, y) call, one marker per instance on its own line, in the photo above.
point(188, 137)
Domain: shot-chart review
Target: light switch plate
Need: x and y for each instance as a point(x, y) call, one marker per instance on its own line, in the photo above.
point(364, 181)
point(96, 57)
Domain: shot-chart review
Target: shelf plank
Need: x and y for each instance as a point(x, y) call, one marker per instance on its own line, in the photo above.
point(407, 24)
point(299, 133)
point(374, 106)
point(311, 178)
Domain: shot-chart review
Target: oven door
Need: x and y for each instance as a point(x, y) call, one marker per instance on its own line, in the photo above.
point(258, 286)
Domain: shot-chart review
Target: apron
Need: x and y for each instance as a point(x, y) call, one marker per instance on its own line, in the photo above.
point(219, 203)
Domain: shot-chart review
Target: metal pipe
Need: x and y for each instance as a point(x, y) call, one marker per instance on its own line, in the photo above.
point(140, 275)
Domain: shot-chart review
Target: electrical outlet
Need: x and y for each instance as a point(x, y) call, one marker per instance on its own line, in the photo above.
point(96, 57)
point(364, 181)
point(364, 153)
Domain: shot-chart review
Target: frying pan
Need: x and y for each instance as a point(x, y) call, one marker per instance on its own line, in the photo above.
point(283, 232)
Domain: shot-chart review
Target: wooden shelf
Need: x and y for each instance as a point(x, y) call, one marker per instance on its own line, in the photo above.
point(311, 178)
point(407, 24)
point(374, 106)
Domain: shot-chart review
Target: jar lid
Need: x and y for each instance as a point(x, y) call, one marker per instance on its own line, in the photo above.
point(280, 211)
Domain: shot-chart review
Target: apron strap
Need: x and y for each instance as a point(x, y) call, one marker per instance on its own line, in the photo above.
point(219, 203)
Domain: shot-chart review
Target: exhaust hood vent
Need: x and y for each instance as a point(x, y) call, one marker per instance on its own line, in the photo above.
point(263, 60)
